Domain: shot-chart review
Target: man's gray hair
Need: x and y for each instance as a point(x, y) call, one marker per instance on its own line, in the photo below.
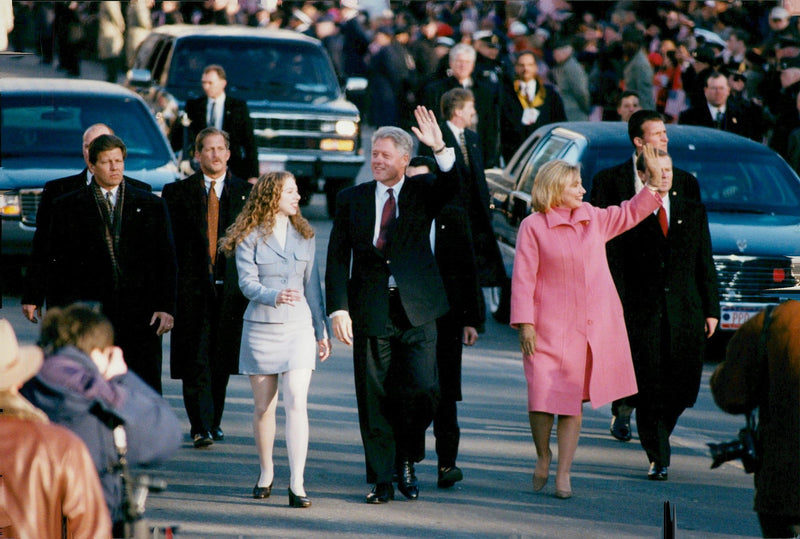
point(462, 48)
point(402, 140)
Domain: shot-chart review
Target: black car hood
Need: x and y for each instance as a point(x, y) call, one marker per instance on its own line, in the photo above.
point(751, 234)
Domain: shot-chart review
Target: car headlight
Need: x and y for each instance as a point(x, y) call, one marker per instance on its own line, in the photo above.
point(10, 204)
point(346, 128)
point(795, 269)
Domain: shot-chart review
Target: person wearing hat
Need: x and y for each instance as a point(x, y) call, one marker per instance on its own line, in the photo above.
point(49, 484)
point(355, 40)
point(388, 76)
point(572, 82)
point(491, 60)
point(637, 74)
point(779, 28)
point(783, 106)
point(693, 77)
point(423, 49)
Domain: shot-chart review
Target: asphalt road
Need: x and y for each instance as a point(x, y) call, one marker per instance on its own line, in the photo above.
point(208, 492)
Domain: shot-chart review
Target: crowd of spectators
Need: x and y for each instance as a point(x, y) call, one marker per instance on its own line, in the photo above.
point(591, 52)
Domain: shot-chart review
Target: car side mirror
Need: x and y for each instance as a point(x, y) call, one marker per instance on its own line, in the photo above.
point(356, 84)
point(139, 77)
point(520, 207)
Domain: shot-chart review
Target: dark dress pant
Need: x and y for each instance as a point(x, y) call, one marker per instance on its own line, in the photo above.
point(205, 379)
point(397, 391)
point(141, 346)
point(449, 348)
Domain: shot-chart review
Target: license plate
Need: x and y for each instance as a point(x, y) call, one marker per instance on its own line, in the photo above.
point(733, 316)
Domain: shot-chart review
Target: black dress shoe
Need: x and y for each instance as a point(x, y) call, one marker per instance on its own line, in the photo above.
point(202, 439)
point(298, 501)
point(448, 476)
point(407, 480)
point(621, 428)
point(380, 493)
point(260, 493)
point(657, 473)
point(217, 435)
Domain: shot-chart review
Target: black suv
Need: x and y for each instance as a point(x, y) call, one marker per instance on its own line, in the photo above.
point(301, 119)
point(41, 126)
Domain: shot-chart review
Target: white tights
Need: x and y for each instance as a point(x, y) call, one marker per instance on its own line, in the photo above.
point(295, 404)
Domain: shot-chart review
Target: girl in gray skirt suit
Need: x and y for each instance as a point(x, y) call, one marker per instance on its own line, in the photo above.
point(285, 327)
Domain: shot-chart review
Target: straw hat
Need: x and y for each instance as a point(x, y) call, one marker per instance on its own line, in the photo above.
point(18, 364)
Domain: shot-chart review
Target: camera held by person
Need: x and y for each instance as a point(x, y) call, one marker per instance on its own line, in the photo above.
point(743, 447)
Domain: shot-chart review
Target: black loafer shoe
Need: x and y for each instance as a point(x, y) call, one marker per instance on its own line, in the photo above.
point(449, 476)
point(201, 440)
point(621, 428)
point(380, 493)
point(217, 435)
point(407, 481)
point(657, 473)
point(260, 493)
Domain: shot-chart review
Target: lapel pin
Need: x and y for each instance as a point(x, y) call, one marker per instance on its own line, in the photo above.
point(680, 221)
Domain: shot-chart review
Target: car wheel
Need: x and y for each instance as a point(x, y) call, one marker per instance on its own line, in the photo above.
point(332, 188)
point(499, 302)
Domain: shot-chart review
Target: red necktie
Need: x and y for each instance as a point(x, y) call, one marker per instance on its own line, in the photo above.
point(662, 220)
point(387, 218)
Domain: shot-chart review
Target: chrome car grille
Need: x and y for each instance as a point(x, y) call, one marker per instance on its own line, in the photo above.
point(288, 124)
point(744, 278)
point(30, 204)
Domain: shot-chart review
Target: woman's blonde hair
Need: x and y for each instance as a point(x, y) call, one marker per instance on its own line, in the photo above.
point(259, 213)
point(550, 182)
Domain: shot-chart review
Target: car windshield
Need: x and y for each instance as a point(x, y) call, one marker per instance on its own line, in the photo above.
point(747, 183)
point(256, 69)
point(52, 125)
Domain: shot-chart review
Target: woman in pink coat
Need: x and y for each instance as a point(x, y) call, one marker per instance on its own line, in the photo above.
point(566, 308)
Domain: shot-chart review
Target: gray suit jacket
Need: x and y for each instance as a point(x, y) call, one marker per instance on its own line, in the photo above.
point(265, 269)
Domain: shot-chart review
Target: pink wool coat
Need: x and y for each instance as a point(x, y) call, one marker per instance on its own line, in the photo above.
point(561, 284)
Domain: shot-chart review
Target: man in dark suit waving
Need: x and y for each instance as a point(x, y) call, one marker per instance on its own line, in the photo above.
point(388, 303)
point(217, 109)
point(208, 323)
point(111, 243)
point(34, 292)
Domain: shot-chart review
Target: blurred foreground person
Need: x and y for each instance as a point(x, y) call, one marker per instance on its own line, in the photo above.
point(50, 486)
point(285, 327)
point(567, 311)
point(761, 372)
point(86, 386)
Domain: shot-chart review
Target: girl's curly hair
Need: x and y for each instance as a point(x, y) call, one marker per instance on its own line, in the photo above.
point(259, 213)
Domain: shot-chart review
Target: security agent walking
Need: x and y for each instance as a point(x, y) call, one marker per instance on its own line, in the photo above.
point(34, 292)
point(217, 109)
point(388, 303)
point(451, 241)
point(112, 243)
point(671, 305)
point(204, 349)
point(610, 187)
